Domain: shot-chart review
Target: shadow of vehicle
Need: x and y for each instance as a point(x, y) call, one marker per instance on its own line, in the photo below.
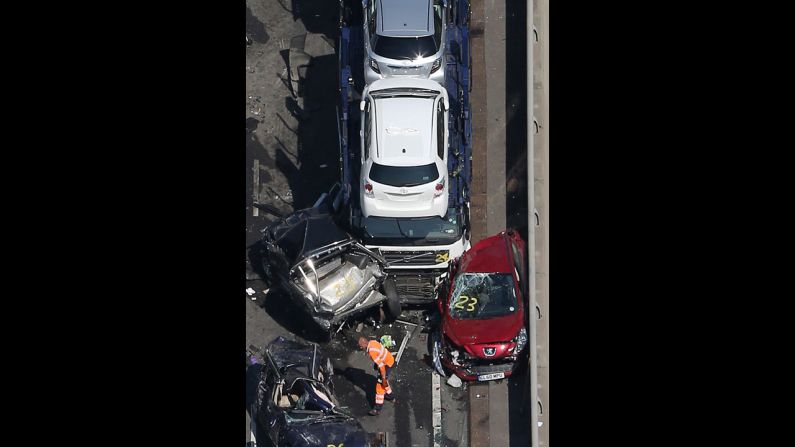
point(318, 16)
point(255, 270)
point(255, 29)
point(280, 307)
point(316, 164)
point(517, 188)
point(516, 118)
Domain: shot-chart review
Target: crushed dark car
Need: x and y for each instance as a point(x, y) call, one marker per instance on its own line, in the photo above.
point(325, 270)
point(482, 332)
point(295, 403)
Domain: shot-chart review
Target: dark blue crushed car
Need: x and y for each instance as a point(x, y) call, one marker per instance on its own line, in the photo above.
point(295, 403)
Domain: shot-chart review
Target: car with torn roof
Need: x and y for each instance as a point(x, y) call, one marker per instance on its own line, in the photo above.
point(404, 38)
point(404, 136)
point(325, 270)
point(295, 403)
point(482, 333)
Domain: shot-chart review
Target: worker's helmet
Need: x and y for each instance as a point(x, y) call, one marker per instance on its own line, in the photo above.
point(387, 342)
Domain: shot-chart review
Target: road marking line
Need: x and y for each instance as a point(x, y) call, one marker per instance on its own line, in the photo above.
point(253, 430)
point(255, 189)
point(436, 391)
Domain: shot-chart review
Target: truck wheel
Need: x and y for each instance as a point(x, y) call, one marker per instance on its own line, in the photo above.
point(392, 307)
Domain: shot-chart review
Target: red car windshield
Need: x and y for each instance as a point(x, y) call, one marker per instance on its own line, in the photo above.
point(483, 295)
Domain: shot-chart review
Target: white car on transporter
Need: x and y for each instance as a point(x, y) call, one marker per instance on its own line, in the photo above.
point(404, 140)
point(404, 38)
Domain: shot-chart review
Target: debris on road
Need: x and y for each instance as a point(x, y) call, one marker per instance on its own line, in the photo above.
point(454, 381)
point(406, 322)
point(250, 291)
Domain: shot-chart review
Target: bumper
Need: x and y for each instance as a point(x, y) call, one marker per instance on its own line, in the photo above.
point(470, 372)
point(436, 206)
point(371, 76)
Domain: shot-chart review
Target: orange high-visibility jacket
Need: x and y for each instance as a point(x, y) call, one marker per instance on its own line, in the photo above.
point(380, 355)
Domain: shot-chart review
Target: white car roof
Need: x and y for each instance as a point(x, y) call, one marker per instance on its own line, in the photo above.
point(405, 123)
point(404, 131)
point(404, 18)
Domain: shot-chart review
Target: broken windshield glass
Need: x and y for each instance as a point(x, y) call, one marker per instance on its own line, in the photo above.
point(483, 295)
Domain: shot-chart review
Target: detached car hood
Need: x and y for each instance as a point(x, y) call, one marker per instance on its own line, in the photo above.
point(322, 434)
point(467, 333)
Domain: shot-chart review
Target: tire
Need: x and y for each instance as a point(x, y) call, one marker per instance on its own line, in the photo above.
point(392, 307)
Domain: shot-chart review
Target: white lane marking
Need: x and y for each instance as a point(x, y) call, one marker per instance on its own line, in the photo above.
point(436, 390)
point(253, 431)
point(255, 189)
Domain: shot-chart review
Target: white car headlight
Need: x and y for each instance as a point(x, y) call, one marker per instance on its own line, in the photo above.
point(520, 340)
point(436, 64)
point(374, 66)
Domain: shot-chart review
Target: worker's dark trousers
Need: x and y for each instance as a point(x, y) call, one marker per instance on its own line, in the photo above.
point(381, 390)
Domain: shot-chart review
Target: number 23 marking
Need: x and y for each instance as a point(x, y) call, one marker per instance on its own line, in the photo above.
point(462, 300)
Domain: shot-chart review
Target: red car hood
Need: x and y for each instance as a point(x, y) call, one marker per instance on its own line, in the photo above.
point(467, 333)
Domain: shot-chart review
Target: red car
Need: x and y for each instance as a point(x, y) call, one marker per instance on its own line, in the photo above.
point(483, 310)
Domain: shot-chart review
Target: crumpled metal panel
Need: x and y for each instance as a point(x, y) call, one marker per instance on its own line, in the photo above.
point(345, 284)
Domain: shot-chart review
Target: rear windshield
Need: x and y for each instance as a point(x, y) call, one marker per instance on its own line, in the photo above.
point(403, 175)
point(404, 47)
point(411, 231)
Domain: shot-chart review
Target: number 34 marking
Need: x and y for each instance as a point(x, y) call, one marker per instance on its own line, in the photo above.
point(462, 301)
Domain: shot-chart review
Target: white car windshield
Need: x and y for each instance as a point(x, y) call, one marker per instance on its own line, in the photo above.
point(409, 48)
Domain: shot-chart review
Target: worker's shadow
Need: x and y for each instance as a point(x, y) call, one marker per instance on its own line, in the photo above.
point(363, 380)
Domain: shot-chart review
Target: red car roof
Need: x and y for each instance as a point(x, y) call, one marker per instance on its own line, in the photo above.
point(490, 255)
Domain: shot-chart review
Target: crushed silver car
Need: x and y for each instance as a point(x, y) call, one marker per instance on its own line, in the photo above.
point(326, 271)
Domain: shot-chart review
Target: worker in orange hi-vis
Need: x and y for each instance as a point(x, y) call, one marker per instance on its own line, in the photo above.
point(384, 361)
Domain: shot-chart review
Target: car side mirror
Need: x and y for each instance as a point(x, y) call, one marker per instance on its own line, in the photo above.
point(361, 106)
point(444, 104)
